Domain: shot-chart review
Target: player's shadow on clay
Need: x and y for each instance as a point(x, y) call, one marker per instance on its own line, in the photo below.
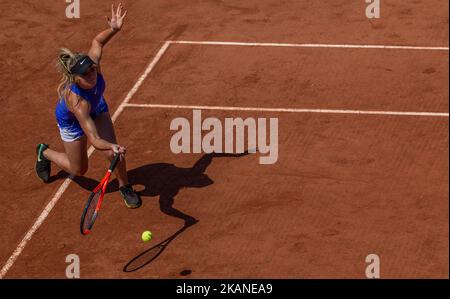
point(164, 180)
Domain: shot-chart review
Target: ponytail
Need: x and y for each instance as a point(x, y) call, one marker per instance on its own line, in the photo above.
point(66, 60)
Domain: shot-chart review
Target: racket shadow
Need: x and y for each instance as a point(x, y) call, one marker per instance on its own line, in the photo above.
point(151, 254)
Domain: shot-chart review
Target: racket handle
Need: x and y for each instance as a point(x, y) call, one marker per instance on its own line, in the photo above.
point(114, 162)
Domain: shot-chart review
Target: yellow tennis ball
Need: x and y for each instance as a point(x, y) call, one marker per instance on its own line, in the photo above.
point(146, 236)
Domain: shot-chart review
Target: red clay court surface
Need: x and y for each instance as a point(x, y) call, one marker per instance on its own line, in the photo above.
point(345, 184)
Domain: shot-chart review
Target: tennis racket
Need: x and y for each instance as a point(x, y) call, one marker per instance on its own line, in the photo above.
point(95, 199)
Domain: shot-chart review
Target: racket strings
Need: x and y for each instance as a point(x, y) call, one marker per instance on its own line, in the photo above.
point(89, 216)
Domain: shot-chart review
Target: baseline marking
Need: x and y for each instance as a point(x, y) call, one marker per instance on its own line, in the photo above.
point(344, 46)
point(67, 181)
point(292, 110)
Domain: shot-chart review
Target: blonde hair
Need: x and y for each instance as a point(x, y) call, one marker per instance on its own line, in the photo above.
point(66, 60)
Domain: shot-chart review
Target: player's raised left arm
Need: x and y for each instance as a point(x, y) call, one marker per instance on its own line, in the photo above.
point(115, 23)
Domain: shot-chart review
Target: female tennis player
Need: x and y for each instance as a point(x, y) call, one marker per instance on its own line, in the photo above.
point(82, 114)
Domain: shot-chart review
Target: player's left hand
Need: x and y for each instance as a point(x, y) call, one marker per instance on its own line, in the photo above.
point(116, 20)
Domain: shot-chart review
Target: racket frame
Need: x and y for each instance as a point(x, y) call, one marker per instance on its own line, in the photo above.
point(102, 185)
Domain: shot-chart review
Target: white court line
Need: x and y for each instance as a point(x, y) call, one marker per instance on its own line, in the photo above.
point(290, 110)
point(67, 181)
point(248, 44)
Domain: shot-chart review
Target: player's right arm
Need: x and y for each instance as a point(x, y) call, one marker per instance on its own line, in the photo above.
point(81, 110)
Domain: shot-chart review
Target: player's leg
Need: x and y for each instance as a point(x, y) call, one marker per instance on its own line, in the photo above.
point(166, 201)
point(74, 160)
point(106, 131)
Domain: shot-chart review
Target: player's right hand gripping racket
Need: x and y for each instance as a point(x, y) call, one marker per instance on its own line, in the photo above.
point(94, 202)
